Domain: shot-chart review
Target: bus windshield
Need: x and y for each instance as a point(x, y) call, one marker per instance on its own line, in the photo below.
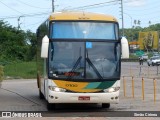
point(88, 30)
point(84, 60)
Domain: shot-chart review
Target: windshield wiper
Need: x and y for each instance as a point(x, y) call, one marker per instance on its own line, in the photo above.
point(92, 65)
point(94, 68)
point(74, 67)
point(76, 64)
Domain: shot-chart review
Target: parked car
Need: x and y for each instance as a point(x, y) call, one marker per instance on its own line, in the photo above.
point(153, 61)
point(145, 56)
point(156, 55)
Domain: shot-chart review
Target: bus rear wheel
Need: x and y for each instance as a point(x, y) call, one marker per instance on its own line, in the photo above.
point(105, 105)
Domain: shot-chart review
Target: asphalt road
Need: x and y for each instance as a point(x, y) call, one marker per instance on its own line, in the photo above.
point(22, 95)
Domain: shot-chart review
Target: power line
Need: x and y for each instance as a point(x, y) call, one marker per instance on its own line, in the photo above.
point(114, 2)
point(97, 5)
point(37, 14)
point(25, 15)
point(31, 5)
point(92, 5)
point(11, 8)
point(81, 7)
point(100, 4)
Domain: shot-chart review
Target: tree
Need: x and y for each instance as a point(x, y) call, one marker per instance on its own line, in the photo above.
point(149, 23)
point(32, 45)
point(135, 22)
point(14, 43)
point(139, 22)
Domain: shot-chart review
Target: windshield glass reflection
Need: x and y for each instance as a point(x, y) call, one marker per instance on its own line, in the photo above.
point(82, 60)
point(89, 30)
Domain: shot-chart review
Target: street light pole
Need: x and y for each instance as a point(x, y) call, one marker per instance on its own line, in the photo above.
point(122, 18)
point(131, 25)
point(131, 19)
point(52, 5)
point(19, 22)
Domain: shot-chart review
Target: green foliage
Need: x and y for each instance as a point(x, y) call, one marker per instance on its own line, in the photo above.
point(1, 73)
point(132, 33)
point(20, 70)
point(132, 56)
point(31, 45)
point(16, 44)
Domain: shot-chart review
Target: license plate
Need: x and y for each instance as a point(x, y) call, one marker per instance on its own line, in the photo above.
point(84, 98)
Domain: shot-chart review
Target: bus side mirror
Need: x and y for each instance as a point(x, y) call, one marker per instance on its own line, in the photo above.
point(125, 48)
point(44, 47)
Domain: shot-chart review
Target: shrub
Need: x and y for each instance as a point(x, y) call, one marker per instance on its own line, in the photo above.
point(1, 73)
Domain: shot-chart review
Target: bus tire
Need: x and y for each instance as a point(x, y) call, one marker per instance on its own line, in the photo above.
point(41, 96)
point(105, 105)
point(51, 106)
point(38, 80)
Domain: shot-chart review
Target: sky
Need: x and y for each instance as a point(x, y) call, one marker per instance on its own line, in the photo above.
point(29, 14)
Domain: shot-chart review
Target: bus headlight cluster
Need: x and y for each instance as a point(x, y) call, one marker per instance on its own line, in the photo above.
point(57, 89)
point(112, 89)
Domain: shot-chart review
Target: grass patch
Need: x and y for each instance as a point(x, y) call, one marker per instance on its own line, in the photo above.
point(132, 56)
point(24, 70)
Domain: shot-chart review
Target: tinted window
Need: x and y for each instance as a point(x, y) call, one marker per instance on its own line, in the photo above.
point(85, 30)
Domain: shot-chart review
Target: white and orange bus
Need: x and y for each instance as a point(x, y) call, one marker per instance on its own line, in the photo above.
point(79, 58)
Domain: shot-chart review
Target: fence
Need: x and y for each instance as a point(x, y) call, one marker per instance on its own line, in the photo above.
point(140, 70)
point(140, 81)
point(143, 88)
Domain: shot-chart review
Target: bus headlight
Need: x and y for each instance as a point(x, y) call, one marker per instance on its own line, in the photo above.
point(112, 89)
point(56, 89)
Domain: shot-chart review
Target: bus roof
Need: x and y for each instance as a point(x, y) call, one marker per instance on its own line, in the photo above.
point(81, 16)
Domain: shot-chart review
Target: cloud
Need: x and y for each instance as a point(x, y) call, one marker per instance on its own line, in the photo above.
point(135, 3)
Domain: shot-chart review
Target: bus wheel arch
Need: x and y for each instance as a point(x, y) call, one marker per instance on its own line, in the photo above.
point(51, 106)
point(38, 80)
point(41, 96)
point(105, 105)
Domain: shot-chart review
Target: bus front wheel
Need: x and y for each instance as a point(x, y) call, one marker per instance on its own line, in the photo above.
point(51, 106)
point(105, 105)
point(41, 96)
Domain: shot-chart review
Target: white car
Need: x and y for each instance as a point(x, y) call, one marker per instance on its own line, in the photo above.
point(153, 61)
point(145, 56)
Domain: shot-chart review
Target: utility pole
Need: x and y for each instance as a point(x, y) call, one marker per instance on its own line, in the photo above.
point(19, 22)
point(52, 5)
point(122, 17)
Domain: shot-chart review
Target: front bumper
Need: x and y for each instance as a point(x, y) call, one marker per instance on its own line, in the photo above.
point(64, 97)
point(156, 63)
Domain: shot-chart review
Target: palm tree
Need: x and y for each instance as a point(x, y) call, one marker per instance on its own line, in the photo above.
point(149, 23)
point(139, 22)
point(135, 22)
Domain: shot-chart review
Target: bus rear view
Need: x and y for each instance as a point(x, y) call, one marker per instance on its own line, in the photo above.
point(82, 59)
